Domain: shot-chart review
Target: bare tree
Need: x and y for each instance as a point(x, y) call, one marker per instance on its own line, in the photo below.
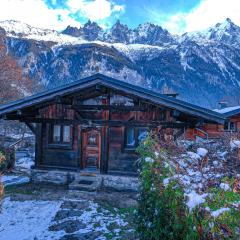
point(13, 83)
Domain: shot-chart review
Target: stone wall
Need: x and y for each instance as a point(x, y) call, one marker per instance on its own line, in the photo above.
point(64, 178)
point(120, 183)
point(50, 177)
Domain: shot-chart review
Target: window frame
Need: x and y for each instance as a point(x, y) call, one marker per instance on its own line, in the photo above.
point(136, 135)
point(227, 127)
point(51, 141)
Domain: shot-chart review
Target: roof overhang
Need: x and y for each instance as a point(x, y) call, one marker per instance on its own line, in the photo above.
point(99, 79)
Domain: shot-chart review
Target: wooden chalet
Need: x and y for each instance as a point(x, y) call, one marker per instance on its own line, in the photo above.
point(97, 123)
point(231, 125)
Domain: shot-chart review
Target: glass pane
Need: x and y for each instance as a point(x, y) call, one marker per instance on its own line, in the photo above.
point(56, 133)
point(226, 126)
point(66, 134)
point(142, 134)
point(92, 139)
point(232, 126)
point(130, 137)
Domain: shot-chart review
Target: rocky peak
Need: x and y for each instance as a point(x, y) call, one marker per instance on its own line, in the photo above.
point(92, 31)
point(73, 31)
point(119, 33)
point(152, 34)
point(226, 32)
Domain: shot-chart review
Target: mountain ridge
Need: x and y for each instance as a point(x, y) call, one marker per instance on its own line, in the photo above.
point(203, 67)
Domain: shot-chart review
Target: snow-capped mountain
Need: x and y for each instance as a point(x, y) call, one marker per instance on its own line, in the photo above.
point(203, 67)
point(225, 32)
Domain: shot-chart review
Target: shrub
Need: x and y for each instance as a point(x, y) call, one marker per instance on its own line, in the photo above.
point(164, 211)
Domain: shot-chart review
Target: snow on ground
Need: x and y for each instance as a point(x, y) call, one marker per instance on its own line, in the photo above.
point(9, 180)
point(45, 220)
point(27, 220)
point(25, 162)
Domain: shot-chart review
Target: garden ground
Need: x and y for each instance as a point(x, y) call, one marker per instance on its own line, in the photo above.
point(39, 212)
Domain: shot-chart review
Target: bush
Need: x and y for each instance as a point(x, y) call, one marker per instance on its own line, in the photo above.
point(164, 211)
point(8, 161)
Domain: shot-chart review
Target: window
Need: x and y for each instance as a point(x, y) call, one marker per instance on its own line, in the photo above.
point(56, 133)
point(142, 134)
point(66, 134)
point(134, 136)
point(61, 134)
point(230, 126)
point(130, 138)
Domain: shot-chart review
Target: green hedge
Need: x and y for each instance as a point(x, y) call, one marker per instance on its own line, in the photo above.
point(163, 212)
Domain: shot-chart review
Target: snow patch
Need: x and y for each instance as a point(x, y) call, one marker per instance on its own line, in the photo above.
point(195, 199)
point(220, 211)
point(225, 186)
point(149, 160)
point(14, 180)
point(235, 144)
point(27, 220)
point(202, 152)
point(25, 162)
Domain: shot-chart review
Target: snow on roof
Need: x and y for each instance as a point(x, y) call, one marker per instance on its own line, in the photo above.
point(226, 110)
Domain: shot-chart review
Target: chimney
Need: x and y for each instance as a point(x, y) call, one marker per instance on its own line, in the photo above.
point(174, 95)
point(223, 104)
point(169, 91)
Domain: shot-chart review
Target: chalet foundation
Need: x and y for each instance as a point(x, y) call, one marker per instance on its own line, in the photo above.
point(84, 181)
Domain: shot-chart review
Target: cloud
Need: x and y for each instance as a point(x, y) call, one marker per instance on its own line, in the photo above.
point(210, 12)
point(205, 15)
point(38, 14)
point(35, 13)
point(94, 10)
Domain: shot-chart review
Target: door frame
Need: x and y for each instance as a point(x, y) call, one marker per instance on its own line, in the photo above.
point(84, 131)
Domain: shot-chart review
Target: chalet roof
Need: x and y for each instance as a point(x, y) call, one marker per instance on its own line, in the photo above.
point(229, 111)
point(128, 88)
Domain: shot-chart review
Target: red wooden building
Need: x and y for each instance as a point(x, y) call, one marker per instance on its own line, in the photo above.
point(213, 130)
point(97, 123)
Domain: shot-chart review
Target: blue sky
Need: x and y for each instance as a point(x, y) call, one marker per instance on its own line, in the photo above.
point(134, 12)
point(178, 16)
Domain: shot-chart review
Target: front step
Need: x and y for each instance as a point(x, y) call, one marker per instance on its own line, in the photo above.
point(85, 183)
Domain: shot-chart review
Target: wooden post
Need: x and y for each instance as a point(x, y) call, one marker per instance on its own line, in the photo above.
point(105, 136)
point(38, 145)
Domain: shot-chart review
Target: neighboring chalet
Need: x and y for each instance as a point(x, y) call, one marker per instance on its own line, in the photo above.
point(97, 123)
point(231, 125)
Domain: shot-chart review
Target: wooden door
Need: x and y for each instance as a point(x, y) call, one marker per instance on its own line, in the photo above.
point(91, 148)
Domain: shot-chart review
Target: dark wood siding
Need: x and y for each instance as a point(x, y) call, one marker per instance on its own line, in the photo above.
point(120, 159)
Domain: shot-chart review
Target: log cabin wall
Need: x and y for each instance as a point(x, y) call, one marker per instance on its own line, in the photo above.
point(115, 157)
point(120, 158)
point(59, 155)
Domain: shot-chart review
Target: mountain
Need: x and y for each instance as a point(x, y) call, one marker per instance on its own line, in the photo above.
point(203, 67)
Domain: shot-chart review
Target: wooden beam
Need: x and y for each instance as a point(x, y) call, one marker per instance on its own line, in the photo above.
point(31, 127)
point(107, 107)
point(94, 122)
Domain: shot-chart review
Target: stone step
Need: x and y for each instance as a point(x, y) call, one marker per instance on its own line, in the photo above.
point(85, 183)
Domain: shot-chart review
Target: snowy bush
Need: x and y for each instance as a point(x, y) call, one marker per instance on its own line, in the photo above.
point(182, 196)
